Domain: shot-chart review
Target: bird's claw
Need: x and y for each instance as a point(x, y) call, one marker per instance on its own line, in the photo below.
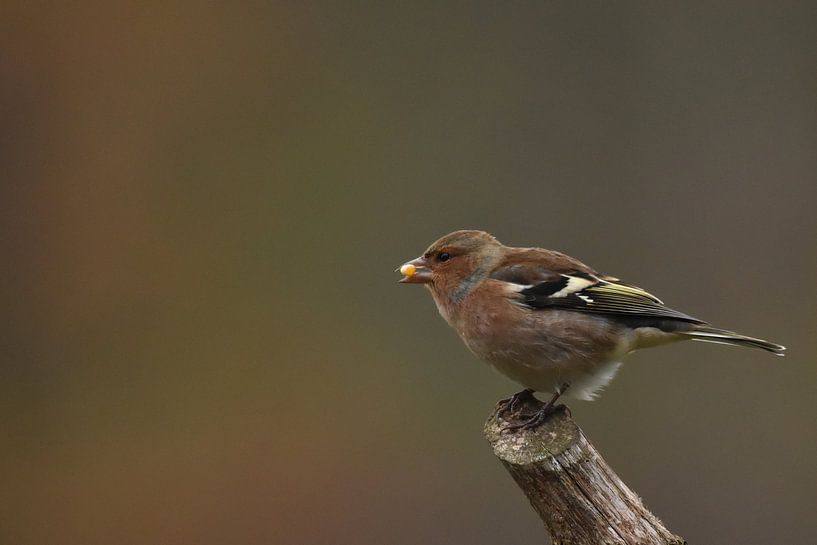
point(515, 402)
point(538, 418)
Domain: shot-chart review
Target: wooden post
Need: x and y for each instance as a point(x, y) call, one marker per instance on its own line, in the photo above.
point(577, 495)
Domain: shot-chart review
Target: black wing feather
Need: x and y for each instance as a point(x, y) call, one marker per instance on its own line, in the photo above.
point(597, 296)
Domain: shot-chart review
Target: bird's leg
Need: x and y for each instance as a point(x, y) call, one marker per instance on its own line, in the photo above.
point(513, 403)
point(542, 414)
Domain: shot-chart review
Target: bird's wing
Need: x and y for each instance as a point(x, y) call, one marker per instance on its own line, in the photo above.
point(587, 292)
point(530, 266)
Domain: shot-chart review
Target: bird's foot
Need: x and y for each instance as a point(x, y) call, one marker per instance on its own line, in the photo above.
point(538, 418)
point(515, 402)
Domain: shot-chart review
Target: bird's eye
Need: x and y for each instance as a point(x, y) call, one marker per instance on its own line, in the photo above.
point(444, 256)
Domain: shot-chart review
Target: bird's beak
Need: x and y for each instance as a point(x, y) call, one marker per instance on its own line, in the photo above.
point(415, 271)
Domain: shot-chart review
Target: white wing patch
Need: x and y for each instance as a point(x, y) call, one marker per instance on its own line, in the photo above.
point(515, 288)
point(574, 284)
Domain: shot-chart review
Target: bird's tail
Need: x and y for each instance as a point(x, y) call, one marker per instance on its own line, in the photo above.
point(710, 334)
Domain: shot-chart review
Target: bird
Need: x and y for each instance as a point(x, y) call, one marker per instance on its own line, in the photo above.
point(546, 320)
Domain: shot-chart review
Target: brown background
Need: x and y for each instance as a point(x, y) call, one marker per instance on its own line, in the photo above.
point(202, 206)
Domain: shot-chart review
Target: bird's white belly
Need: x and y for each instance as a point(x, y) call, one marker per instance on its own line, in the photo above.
point(584, 381)
point(542, 378)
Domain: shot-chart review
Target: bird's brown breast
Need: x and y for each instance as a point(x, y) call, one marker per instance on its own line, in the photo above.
point(494, 325)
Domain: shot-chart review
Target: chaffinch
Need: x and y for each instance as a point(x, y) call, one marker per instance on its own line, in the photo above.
point(546, 320)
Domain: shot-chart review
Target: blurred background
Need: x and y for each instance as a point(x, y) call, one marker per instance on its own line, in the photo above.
point(203, 204)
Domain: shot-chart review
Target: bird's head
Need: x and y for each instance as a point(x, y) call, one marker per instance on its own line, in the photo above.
point(452, 259)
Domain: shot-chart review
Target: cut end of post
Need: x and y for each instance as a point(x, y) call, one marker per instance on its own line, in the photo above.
point(529, 446)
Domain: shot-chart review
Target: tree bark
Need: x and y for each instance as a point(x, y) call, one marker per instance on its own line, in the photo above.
point(576, 494)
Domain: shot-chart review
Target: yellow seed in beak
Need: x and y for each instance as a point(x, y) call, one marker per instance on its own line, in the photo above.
point(408, 269)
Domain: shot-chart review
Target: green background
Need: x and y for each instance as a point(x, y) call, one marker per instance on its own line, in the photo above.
point(203, 204)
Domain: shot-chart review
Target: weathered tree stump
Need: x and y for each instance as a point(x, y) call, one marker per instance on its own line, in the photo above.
point(577, 495)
